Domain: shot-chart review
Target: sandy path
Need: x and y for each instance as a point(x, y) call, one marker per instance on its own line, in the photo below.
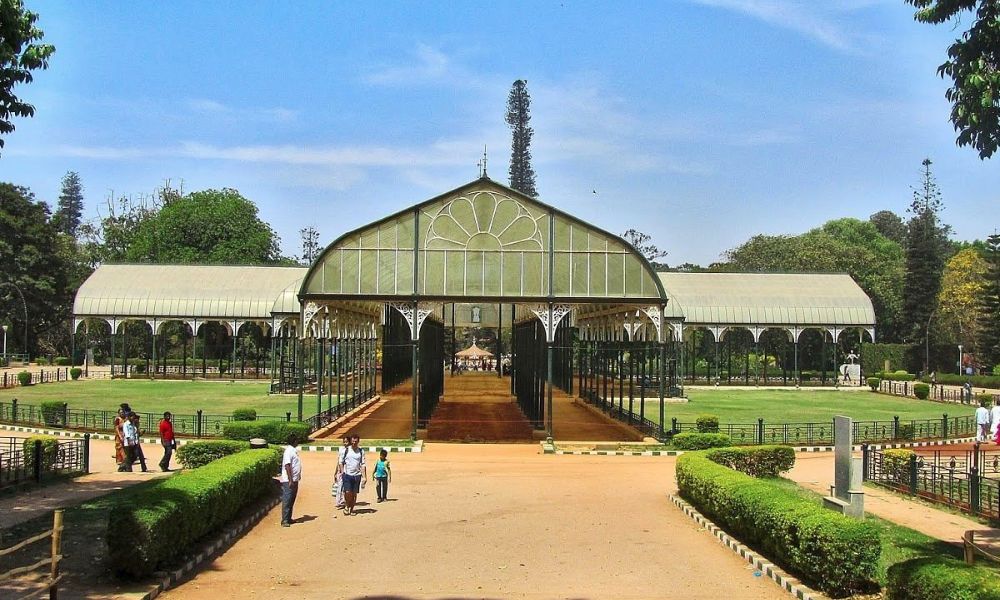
point(486, 521)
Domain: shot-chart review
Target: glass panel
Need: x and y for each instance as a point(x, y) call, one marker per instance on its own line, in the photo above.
point(455, 284)
point(404, 272)
point(512, 273)
point(560, 280)
point(634, 274)
point(492, 287)
point(616, 274)
point(580, 272)
point(533, 273)
point(387, 235)
point(350, 271)
point(433, 276)
point(598, 274)
point(474, 273)
point(386, 270)
point(404, 231)
point(581, 239)
point(368, 274)
point(562, 229)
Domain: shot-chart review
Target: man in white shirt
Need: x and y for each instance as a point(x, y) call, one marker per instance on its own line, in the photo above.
point(354, 473)
point(130, 439)
point(994, 421)
point(338, 485)
point(982, 422)
point(291, 473)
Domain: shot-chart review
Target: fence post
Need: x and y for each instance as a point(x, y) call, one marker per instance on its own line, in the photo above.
point(57, 531)
point(895, 427)
point(913, 474)
point(865, 461)
point(197, 429)
point(760, 430)
point(13, 410)
point(974, 504)
point(86, 454)
point(37, 465)
point(65, 414)
point(288, 417)
point(673, 424)
point(944, 426)
point(906, 388)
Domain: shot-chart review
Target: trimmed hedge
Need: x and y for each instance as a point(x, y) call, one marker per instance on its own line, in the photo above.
point(896, 464)
point(62, 361)
point(275, 432)
point(760, 461)
point(983, 381)
point(160, 523)
point(50, 451)
point(244, 414)
point(982, 397)
point(941, 578)
point(873, 383)
point(24, 378)
point(700, 441)
point(921, 390)
point(198, 454)
point(707, 424)
point(52, 412)
point(833, 553)
point(75, 373)
point(897, 376)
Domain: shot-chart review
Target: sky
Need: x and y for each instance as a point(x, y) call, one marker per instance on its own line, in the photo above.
point(699, 122)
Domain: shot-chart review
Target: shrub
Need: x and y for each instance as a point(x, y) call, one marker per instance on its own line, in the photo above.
point(75, 373)
point(244, 414)
point(760, 461)
point(199, 454)
point(896, 465)
point(62, 361)
point(52, 412)
point(834, 553)
point(984, 397)
point(50, 451)
point(941, 578)
point(898, 376)
point(24, 378)
point(921, 390)
point(873, 383)
point(275, 432)
point(707, 424)
point(701, 441)
point(906, 431)
point(41, 361)
point(161, 522)
point(901, 372)
point(996, 370)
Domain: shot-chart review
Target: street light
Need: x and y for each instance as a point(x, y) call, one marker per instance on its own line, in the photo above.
point(25, 306)
point(5, 344)
point(960, 359)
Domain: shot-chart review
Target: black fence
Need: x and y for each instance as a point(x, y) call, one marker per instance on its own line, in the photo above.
point(53, 375)
point(966, 480)
point(191, 370)
point(822, 433)
point(621, 413)
point(198, 425)
point(344, 406)
point(32, 461)
point(939, 393)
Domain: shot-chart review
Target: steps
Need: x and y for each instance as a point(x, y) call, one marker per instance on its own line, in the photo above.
point(478, 408)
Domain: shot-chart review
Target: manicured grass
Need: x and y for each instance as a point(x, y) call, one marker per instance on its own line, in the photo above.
point(796, 406)
point(182, 397)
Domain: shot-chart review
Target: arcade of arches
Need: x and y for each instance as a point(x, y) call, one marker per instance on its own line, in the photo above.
point(589, 340)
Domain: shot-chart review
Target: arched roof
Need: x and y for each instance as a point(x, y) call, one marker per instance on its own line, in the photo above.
point(482, 241)
point(223, 292)
point(765, 299)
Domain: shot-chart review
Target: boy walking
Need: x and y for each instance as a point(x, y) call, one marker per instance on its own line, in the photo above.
point(291, 473)
point(382, 475)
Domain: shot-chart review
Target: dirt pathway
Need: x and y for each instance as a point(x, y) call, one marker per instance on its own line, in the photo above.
point(486, 521)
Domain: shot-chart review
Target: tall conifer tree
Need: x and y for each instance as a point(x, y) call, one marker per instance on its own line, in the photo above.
point(522, 176)
point(926, 251)
point(70, 210)
point(989, 336)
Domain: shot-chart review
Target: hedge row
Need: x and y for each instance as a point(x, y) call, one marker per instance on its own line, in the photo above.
point(837, 555)
point(896, 376)
point(983, 381)
point(161, 522)
point(275, 432)
point(700, 441)
point(198, 454)
point(761, 461)
point(941, 578)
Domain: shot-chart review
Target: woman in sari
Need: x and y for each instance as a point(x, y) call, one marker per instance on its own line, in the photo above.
point(120, 435)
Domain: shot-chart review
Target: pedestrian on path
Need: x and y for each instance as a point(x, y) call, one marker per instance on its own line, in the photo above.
point(167, 441)
point(338, 474)
point(982, 422)
point(291, 474)
point(355, 472)
point(130, 438)
point(137, 448)
point(119, 423)
point(382, 475)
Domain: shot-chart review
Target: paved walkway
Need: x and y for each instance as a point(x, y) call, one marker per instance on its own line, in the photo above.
point(104, 478)
point(815, 472)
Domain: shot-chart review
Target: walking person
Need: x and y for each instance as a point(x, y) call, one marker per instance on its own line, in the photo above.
point(137, 448)
point(994, 421)
point(291, 474)
point(982, 422)
point(130, 438)
point(119, 423)
point(382, 475)
point(167, 440)
point(354, 473)
point(338, 474)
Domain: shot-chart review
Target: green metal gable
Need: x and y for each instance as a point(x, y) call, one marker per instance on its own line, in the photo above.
point(482, 240)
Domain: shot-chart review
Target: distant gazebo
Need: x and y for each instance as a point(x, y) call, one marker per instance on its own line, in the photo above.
point(473, 352)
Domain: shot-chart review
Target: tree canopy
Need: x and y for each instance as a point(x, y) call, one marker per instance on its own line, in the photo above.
point(989, 315)
point(644, 244)
point(927, 248)
point(522, 176)
point(213, 226)
point(890, 225)
point(70, 210)
point(20, 54)
point(974, 68)
point(959, 302)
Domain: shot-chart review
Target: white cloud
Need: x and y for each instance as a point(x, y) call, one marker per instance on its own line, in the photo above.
point(819, 21)
point(220, 110)
point(429, 65)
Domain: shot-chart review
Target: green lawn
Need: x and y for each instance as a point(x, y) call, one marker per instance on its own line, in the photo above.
point(182, 397)
point(788, 406)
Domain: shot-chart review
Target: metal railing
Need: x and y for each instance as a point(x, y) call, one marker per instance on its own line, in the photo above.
point(22, 460)
point(939, 393)
point(621, 413)
point(53, 375)
point(966, 480)
point(344, 406)
point(198, 425)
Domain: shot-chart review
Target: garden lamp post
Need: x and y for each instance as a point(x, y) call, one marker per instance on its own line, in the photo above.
point(24, 305)
point(960, 359)
point(5, 344)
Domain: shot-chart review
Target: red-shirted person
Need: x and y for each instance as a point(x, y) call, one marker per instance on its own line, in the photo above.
point(168, 441)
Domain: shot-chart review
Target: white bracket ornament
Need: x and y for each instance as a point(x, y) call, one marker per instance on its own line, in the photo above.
point(655, 314)
point(550, 316)
point(415, 321)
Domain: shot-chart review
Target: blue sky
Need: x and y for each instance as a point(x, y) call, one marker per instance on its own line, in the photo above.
point(700, 122)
